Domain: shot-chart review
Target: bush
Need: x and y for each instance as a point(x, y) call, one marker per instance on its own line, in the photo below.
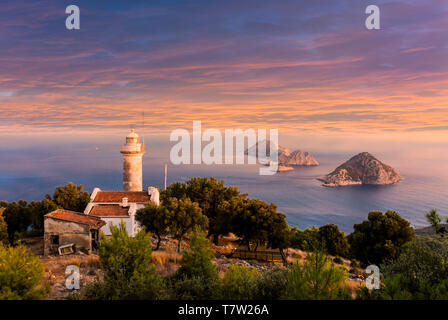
point(239, 283)
point(197, 262)
point(380, 237)
point(334, 240)
point(272, 284)
point(21, 275)
point(3, 229)
point(127, 270)
point(318, 278)
point(421, 264)
point(195, 288)
point(306, 240)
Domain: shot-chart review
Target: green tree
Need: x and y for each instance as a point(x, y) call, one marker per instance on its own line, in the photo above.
point(209, 193)
point(335, 241)
point(18, 218)
point(435, 221)
point(37, 211)
point(380, 237)
point(3, 228)
point(184, 215)
point(317, 279)
point(306, 240)
point(240, 283)
point(155, 220)
point(197, 262)
point(21, 275)
point(71, 197)
point(128, 273)
point(257, 222)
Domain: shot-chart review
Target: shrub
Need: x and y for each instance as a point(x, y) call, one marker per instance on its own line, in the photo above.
point(318, 278)
point(422, 263)
point(126, 263)
point(3, 229)
point(334, 240)
point(239, 283)
point(395, 288)
point(380, 237)
point(197, 262)
point(306, 240)
point(195, 288)
point(272, 284)
point(21, 275)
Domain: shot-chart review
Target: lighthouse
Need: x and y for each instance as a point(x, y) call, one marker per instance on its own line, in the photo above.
point(132, 152)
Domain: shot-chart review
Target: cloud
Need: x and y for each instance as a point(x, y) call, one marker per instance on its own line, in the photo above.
point(296, 65)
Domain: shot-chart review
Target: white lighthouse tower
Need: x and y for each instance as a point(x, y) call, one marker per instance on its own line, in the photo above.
point(132, 152)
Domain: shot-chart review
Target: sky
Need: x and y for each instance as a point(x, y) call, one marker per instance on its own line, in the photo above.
point(299, 66)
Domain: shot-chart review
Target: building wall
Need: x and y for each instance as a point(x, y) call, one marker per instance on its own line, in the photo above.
point(68, 232)
point(116, 222)
point(132, 172)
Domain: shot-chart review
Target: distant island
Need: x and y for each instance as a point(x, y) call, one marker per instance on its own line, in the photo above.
point(363, 168)
point(286, 158)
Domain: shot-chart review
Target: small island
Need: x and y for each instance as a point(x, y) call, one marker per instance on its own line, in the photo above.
point(286, 159)
point(363, 168)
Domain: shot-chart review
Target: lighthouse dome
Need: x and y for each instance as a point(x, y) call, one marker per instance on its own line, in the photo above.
point(132, 137)
point(132, 134)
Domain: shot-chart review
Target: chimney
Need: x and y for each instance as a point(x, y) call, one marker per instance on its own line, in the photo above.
point(124, 202)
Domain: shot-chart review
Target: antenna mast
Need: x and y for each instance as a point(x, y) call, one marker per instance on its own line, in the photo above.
point(165, 175)
point(143, 131)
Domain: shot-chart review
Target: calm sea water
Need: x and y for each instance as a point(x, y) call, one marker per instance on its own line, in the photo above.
point(30, 170)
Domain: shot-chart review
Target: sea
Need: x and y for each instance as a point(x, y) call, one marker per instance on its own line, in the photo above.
point(31, 166)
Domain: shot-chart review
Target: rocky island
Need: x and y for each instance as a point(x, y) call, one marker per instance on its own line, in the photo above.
point(361, 169)
point(286, 158)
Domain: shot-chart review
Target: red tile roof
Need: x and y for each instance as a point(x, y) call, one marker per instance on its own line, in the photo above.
point(109, 210)
point(72, 216)
point(117, 196)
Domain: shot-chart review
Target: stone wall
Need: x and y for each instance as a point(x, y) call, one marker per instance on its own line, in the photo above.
point(67, 232)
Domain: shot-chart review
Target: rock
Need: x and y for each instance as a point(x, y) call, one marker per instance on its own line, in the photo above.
point(280, 150)
point(298, 158)
point(282, 168)
point(361, 169)
point(286, 158)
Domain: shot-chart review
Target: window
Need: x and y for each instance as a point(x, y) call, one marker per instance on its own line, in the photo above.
point(54, 240)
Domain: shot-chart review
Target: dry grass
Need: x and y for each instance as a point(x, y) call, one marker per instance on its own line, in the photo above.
point(75, 261)
point(93, 262)
point(164, 257)
point(353, 286)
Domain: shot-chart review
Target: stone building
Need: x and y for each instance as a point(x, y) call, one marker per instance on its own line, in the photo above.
point(63, 227)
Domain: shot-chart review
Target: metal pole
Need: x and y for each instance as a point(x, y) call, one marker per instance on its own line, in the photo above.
point(165, 175)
